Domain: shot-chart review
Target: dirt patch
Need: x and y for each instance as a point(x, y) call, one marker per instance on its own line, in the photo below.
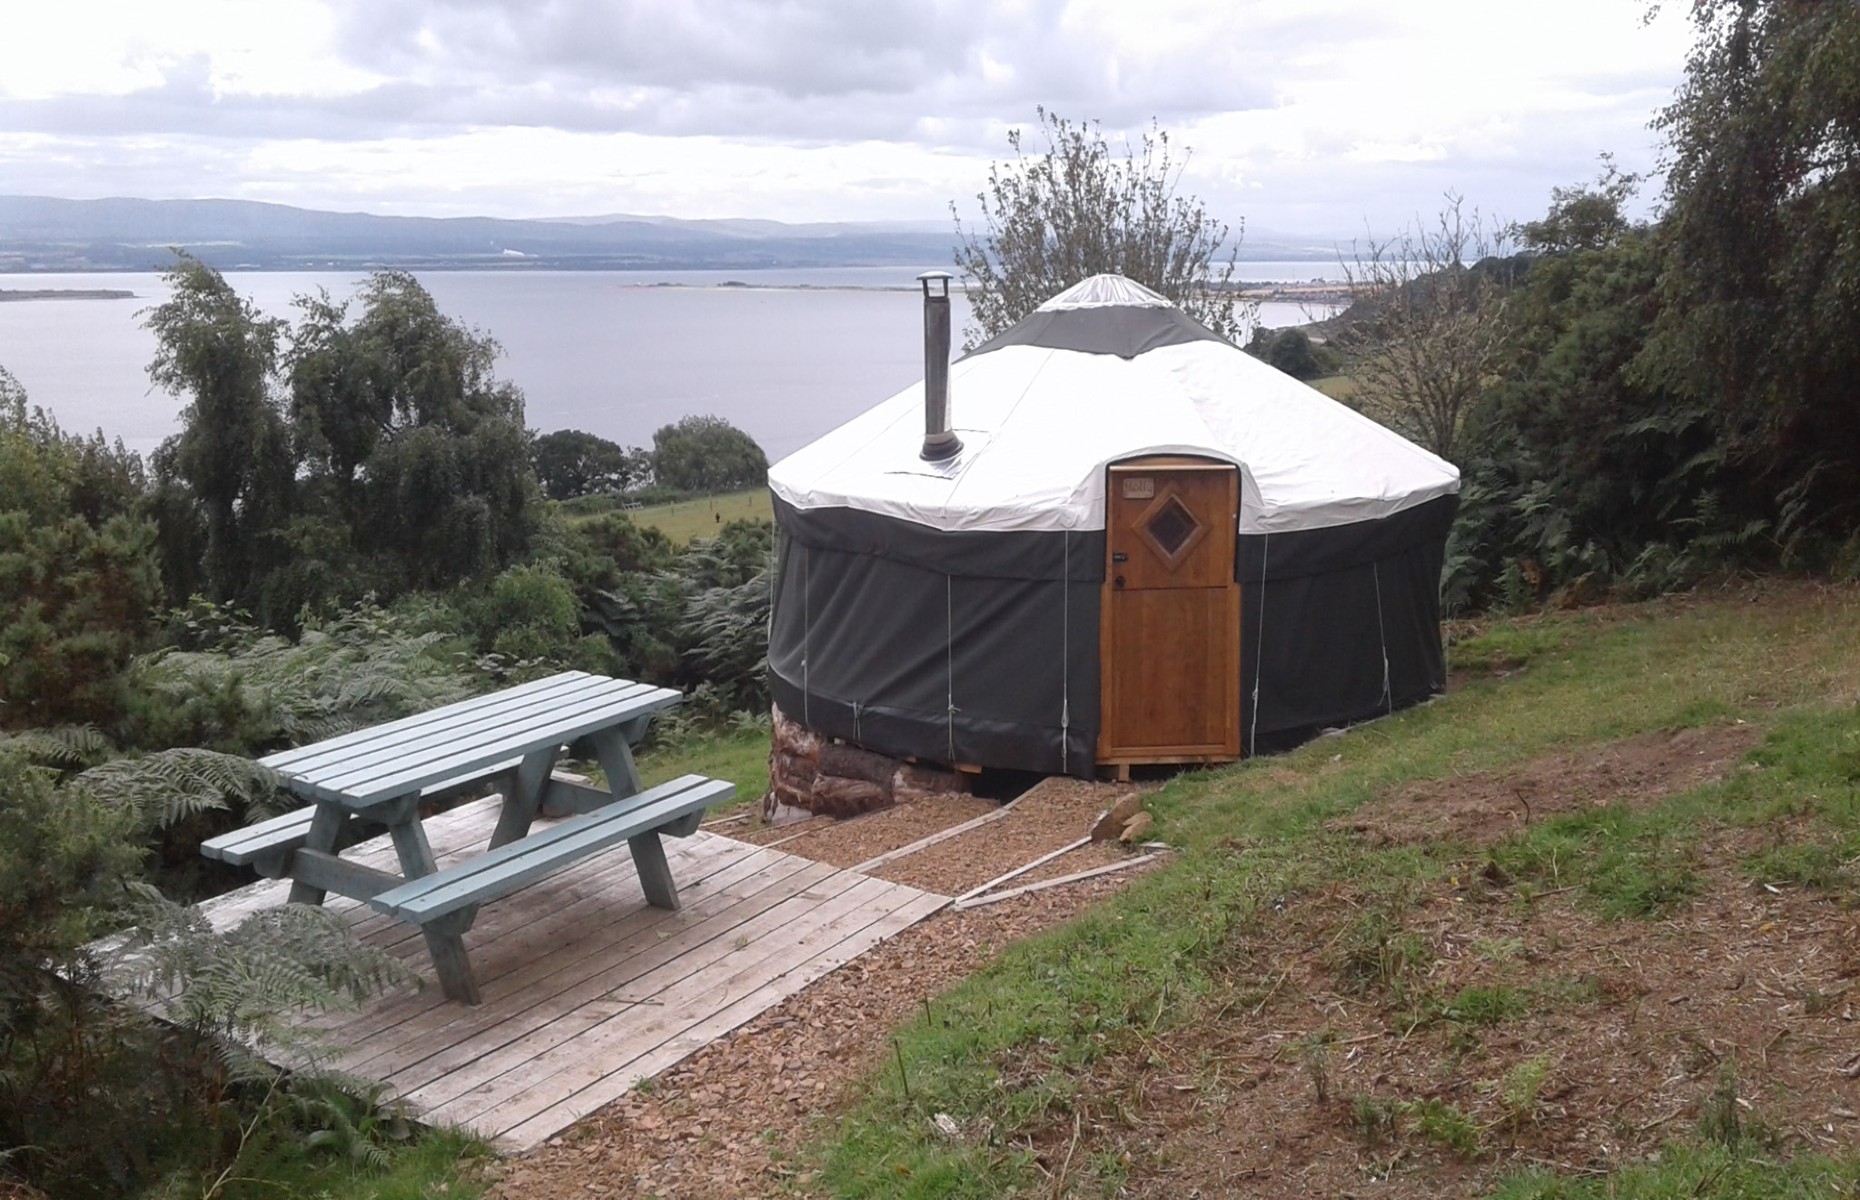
point(1484, 809)
point(728, 1121)
point(1533, 1034)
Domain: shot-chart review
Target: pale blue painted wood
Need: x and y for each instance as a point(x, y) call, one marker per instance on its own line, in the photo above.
point(510, 867)
point(393, 730)
point(472, 735)
point(466, 740)
point(242, 846)
point(464, 720)
point(459, 759)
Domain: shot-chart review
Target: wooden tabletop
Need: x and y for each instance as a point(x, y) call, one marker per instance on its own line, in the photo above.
point(458, 741)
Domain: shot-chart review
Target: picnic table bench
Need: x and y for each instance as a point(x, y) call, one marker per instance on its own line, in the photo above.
point(384, 773)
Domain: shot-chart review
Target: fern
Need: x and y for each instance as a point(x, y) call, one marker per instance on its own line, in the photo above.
point(166, 788)
point(63, 746)
point(258, 693)
point(245, 989)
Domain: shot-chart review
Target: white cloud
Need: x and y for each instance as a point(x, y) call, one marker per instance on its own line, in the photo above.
point(1316, 116)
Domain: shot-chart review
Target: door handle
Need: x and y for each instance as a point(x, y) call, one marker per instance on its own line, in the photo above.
point(1117, 583)
point(1118, 556)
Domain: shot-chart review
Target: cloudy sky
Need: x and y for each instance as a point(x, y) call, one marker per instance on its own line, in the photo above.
point(1322, 117)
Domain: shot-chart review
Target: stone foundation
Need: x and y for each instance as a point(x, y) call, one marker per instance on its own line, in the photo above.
point(837, 779)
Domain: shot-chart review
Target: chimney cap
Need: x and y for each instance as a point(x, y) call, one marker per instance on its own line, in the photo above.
point(929, 277)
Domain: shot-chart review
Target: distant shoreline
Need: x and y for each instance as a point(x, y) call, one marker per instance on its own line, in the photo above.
point(7, 294)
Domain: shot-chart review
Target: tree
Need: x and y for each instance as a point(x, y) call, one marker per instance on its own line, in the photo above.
point(1077, 210)
point(78, 577)
point(404, 462)
point(1585, 216)
point(1426, 329)
point(400, 416)
point(1762, 291)
point(707, 454)
point(571, 463)
point(1287, 350)
point(232, 458)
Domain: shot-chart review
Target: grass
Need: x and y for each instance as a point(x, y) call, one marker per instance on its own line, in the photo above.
point(1337, 387)
point(1685, 1171)
point(740, 756)
point(687, 520)
point(1013, 1048)
point(438, 1165)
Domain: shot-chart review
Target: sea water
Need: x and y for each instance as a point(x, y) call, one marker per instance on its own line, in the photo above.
point(784, 355)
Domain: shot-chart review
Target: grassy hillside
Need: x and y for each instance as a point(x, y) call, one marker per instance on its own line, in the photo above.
point(1584, 926)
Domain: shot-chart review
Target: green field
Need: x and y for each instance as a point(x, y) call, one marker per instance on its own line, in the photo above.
point(1337, 387)
point(687, 520)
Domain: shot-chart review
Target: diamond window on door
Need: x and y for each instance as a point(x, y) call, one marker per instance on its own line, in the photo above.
point(1171, 529)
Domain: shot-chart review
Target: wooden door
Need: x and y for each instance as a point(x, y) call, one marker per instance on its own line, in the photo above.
point(1169, 648)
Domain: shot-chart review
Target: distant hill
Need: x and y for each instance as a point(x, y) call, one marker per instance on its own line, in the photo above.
point(40, 233)
point(44, 234)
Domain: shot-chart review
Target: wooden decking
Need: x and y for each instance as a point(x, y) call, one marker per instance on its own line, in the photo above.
point(587, 989)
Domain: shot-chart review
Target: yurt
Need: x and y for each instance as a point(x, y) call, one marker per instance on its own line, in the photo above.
point(1105, 537)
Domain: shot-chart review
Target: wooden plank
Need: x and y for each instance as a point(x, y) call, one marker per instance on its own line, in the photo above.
point(733, 969)
point(509, 867)
point(598, 989)
point(495, 705)
point(597, 1052)
point(449, 833)
point(515, 942)
point(565, 682)
point(516, 730)
point(560, 1000)
point(345, 877)
point(523, 795)
point(655, 877)
point(704, 966)
point(242, 845)
point(537, 1128)
point(596, 904)
point(612, 876)
point(1076, 876)
point(705, 972)
point(750, 884)
point(1017, 872)
point(943, 835)
point(463, 752)
point(513, 733)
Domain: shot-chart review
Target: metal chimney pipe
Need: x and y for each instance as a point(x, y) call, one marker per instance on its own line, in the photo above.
point(939, 442)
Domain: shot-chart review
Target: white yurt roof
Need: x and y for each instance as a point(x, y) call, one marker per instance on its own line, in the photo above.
point(1040, 422)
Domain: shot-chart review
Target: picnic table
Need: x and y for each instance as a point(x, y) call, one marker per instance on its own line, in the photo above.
point(515, 737)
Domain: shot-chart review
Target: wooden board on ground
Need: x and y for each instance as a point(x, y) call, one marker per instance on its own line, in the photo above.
point(587, 989)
